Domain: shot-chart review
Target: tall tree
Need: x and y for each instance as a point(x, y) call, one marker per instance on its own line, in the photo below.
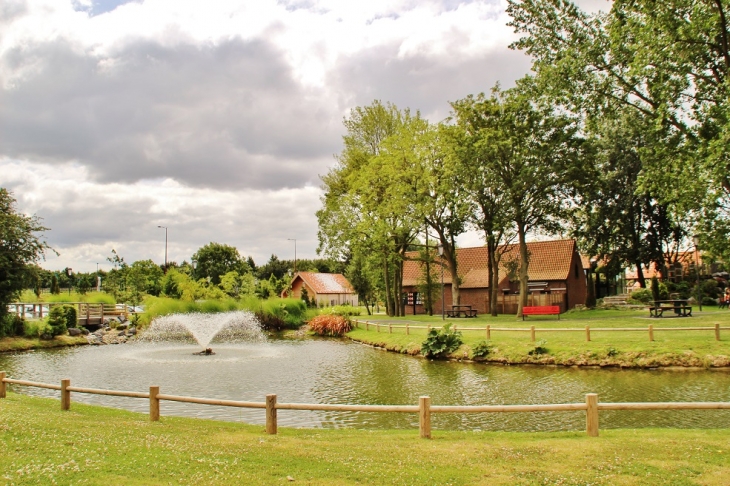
point(474, 117)
point(21, 246)
point(532, 150)
point(215, 260)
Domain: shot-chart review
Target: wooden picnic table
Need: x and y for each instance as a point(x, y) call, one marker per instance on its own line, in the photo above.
point(461, 311)
point(678, 306)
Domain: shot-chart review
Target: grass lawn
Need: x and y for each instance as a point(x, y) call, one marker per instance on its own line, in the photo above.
point(606, 348)
point(40, 444)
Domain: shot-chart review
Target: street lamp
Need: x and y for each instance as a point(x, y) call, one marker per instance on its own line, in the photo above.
point(69, 274)
point(165, 245)
point(295, 252)
point(440, 248)
point(696, 240)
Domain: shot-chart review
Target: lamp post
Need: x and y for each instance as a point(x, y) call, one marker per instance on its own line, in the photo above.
point(69, 274)
point(295, 252)
point(165, 227)
point(696, 240)
point(441, 257)
point(98, 279)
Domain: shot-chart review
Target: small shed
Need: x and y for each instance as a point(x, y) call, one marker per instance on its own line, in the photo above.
point(324, 288)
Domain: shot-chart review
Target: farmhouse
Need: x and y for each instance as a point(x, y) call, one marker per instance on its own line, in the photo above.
point(556, 277)
point(324, 288)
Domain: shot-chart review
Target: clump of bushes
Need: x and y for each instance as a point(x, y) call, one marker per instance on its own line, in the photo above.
point(482, 349)
point(343, 310)
point(330, 325)
point(440, 342)
point(538, 348)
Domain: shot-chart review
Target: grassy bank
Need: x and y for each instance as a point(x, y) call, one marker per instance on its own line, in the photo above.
point(24, 343)
point(93, 445)
point(606, 348)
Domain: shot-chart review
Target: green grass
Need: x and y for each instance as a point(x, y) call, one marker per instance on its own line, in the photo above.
point(607, 348)
point(91, 297)
point(93, 445)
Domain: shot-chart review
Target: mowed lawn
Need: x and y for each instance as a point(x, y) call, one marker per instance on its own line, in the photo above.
point(41, 444)
point(627, 343)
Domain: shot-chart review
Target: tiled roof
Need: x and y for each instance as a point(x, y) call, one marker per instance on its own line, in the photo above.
point(326, 283)
point(549, 260)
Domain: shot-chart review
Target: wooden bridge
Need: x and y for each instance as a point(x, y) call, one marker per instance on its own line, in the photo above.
point(89, 315)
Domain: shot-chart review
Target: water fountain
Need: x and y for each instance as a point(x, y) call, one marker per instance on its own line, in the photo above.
point(231, 327)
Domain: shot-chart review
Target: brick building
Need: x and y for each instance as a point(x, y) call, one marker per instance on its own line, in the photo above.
point(555, 277)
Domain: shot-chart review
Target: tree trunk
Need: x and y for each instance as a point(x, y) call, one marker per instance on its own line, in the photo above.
point(388, 295)
point(640, 275)
point(524, 263)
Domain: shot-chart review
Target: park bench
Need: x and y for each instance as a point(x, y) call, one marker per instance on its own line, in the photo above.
point(678, 307)
point(540, 310)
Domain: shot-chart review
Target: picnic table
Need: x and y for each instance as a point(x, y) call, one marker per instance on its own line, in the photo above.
point(461, 311)
point(678, 306)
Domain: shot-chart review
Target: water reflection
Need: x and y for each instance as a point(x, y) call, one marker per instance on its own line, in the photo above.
point(331, 371)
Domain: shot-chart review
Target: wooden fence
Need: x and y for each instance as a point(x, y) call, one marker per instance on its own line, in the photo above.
point(88, 314)
point(424, 409)
point(650, 329)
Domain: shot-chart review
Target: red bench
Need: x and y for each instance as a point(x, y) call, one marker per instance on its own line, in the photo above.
point(541, 310)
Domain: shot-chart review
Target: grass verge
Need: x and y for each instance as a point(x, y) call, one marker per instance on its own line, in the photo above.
point(25, 344)
point(95, 445)
point(630, 349)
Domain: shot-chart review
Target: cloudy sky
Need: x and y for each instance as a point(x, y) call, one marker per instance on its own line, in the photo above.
point(215, 118)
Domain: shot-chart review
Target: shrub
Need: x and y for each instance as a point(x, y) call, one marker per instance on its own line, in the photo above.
point(643, 296)
point(482, 349)
point(57, 321)
point(344, 310)
point(538, 348)
point(11, 325)
point(441, 342)
point(36, 329)
point(330, 325)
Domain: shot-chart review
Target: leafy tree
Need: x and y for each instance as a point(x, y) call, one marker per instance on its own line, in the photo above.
point(277, 268)
point(55, 289)
point(215, 260)
point(21, 246)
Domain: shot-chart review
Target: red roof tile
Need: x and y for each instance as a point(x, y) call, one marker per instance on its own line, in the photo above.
point(326, 283)
point(549, 260)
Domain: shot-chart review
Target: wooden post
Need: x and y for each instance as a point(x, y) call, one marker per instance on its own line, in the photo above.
point(154, 404)
point(408, 331)
point(390, 328)
point(489, 332)
point(367, 326)
point(377, 327)
point(65, 394)
point(588, 333)
point(3, 385)
point(532, 333)
point(592, 414)
point(651, 332)
point(717, 331)
point(271, 414)
point(424, 417)
point(454, 327)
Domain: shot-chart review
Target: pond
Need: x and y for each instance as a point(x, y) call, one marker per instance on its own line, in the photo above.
point(312, 370)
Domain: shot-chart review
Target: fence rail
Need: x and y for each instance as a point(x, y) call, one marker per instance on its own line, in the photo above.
point(87, 313)
point(534, 330)
point(424, 409)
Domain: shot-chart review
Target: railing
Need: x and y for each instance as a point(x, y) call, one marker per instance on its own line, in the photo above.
point(534, 330)
point(424, 409)
point(87, 313)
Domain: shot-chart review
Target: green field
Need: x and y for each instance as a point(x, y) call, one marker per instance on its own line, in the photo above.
point(92, 445)
point(606, 348)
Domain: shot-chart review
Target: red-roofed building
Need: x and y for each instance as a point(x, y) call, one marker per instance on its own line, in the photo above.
point(556, 277)
point(324, 288)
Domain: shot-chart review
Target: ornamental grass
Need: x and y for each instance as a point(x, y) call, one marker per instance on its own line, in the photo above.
point(330, 325)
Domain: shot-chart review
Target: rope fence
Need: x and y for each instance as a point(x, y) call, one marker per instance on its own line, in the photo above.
point(650, 329)
point(424, 409)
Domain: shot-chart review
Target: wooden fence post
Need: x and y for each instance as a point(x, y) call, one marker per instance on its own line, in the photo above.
point(65, 394)
point(408, 331)
point(489, 332)
point(367, 326)
point(271, 414)
point(424, 417)
point(154, 404)
point(588, 333)
point(592, 415)
point(390, 328)
point(717, 331)
point(651, 332)
point(3, 385)
point(532, 333)
point(377, 326)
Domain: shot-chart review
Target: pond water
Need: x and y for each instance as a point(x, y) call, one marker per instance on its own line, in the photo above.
point(314, 370)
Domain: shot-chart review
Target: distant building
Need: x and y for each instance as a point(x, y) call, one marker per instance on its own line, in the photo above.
point(324, 288)
point(556, 276)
